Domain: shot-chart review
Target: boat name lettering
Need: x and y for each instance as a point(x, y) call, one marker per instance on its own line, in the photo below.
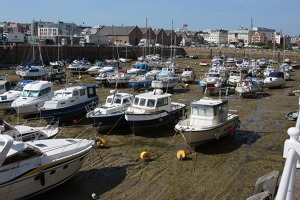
point(14, 167)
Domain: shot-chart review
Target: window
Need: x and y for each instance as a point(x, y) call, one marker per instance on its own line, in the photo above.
point(162, 102)
point(204, 111)
point(44, 91)
point(151, 103)
point(75, 93)
point(22, 155)
point(142, 102)
point(136, 101)
point(82, 92)
point(109, 100)
point(91, 91)
point(117, 101)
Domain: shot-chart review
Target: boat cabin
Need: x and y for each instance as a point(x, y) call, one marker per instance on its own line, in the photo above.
point(37, 89)
point(119, 99)
point(156, 100)
point(207, 112)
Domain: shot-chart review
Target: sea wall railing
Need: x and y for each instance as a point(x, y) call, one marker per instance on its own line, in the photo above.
point(292, 154)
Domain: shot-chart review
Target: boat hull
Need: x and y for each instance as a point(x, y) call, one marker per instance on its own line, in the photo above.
point(107, 122)
point(42, 179)
point(196, 136)
point(144, 122)
point(69, 111)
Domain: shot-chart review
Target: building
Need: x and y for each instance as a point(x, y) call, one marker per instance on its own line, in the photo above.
point(216, 36)
point(240, 36)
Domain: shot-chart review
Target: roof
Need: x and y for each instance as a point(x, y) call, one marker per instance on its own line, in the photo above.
point(38, 85)
point(116, 30)
point(209, 102)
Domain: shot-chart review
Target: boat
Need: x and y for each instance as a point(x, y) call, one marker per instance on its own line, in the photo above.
point(293, 115)
point(153, 109)
point(268, 70)
point(248, 87)
point(111, 114)
point(8, 97)
point(5, 85)
point(25, 132)
point(166, 79)
point(203, 63)
point(275, 80)
point(33, 97)
point(139, 68)
point(141, 81)
point(235, 76)
point(210, 119)
point(30, 168)
point(94, 70)
point(32, 70)
point(69, 102)
point(101, 79)
point(119, 78)
point(188, 75)
point(211, 81)
point(79, 66)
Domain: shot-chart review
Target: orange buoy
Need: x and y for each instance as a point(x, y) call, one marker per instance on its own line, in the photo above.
point(145, 155)
point(181, 154)
point(100, 142)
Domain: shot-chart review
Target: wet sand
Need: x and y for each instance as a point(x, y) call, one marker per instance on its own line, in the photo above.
point(223, 169)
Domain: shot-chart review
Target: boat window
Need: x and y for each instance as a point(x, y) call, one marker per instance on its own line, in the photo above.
point(19, 87)
point(151, 103)
point(22, 155)
point(136, 101)
point(33, 94)
point(82, 92)
point(58, 94)
point(68, 94)
point(44, 91)
point(75, 93)
point(117, 101)
point(109, 100)
point(204, 111)
point(142, 102)
point(162, 102)
point(91, 91)
point(25, 93)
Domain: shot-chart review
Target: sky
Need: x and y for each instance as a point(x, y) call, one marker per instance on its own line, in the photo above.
point(281, 15)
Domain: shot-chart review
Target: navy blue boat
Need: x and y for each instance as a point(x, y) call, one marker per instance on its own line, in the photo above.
point(70, 101)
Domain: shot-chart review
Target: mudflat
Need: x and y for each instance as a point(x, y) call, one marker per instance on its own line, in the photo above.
point(222, 169)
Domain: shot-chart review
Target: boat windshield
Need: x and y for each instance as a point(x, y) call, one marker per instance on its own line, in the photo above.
point(206, 111)
point(109, 100)
point(117, 101)
point(19, 87)
point(30, 93)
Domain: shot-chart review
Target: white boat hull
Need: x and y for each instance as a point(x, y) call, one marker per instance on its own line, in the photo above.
point(32, 183)
point(198, 135)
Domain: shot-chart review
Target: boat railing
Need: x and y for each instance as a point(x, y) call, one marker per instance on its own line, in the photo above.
point(291, 152)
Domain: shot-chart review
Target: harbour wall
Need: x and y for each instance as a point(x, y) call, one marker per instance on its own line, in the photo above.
point(14, 55)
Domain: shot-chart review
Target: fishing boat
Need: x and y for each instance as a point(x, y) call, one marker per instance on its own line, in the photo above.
point(30, 168)
point(275, 80)
point(24, 132)
point(8, 97)
point(188, 75)
point(153, 109)
point(247, 87)
point(33, 97)
point(70, 101)
point(209, 120)
point(111, 114)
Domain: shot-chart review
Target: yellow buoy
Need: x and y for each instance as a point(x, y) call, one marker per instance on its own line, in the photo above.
point(181, 154)
point(145, 155)
point(79, 77)
point(100, 142)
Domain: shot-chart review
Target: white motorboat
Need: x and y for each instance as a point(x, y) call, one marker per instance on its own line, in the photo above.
point(8, 97)
point(188, 75)
point(79, 66)
point(235, 76)
point(209, 119)
point(153, 109)
point(111, 114)
point(119, 78)
point(30, 168)
point(33, 97)
point(275, 80)
point(69, 102)
point(166, 79)
point(25, 132)
point(247, 87)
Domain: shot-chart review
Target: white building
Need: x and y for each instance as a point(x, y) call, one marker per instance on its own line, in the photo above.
point(240, 35)
point(216, 36)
